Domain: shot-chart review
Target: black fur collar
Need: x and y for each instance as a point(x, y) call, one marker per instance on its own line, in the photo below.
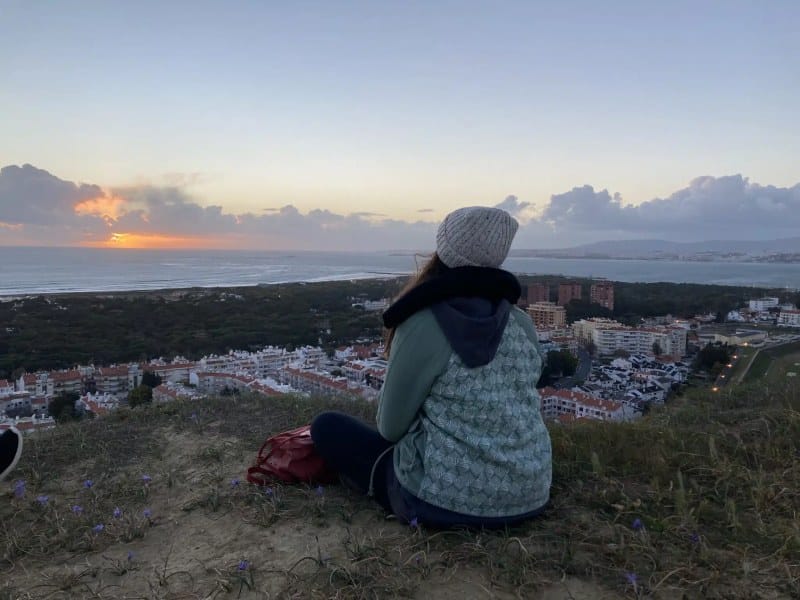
point(483, 282)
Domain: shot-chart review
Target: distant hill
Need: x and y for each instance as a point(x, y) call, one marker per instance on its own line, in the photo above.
point(667, 249)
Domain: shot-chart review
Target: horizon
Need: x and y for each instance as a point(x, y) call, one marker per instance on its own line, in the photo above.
point(399, 251)
point(358, 127)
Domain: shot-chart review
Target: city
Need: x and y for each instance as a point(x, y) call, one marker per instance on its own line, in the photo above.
point(621, 370)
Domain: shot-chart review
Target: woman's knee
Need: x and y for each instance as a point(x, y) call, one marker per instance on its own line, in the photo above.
point(324, 426)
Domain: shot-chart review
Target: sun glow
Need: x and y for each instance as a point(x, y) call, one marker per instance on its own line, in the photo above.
point(131, 241)
point(108, 207)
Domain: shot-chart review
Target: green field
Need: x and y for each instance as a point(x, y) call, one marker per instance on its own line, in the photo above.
point(773, 364)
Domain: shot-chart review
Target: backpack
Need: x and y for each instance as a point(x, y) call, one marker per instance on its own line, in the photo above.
point(290, 457)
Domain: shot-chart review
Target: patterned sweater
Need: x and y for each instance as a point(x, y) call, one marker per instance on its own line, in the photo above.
point(470, 440)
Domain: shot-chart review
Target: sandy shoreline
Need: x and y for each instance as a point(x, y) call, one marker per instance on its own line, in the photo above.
point(11, 296)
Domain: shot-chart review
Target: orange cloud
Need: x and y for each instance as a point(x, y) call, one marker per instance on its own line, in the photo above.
point(12, 226)
point(155, 241)
point(108, 207)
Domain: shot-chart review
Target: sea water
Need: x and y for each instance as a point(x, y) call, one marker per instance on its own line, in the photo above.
point(25, 271)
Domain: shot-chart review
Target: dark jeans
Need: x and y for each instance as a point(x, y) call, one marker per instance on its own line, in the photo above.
point(352, 448)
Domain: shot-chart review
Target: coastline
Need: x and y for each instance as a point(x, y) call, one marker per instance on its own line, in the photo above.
point(42, 271)
point(168, 291)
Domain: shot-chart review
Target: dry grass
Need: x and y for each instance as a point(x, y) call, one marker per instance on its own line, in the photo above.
point(700, 500)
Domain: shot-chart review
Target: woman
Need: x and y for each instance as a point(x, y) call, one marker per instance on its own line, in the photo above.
point(460, 438)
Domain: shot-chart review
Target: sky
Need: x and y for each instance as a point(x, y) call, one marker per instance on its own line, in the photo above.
point(359, 125)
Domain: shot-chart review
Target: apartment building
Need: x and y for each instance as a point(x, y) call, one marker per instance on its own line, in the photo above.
point(538, 292)
point(789, 318)
point(547, 315)
point(602, 293)
point(555, 403)
point(568, 292)
point(609, 336)
point(763, 304)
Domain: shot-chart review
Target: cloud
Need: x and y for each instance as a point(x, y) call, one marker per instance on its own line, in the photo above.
point(513, 206)
point(33, 199)
point(37, 207)
point(729, 207)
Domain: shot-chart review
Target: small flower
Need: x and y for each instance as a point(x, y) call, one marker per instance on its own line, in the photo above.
point(42, 500)
point(414, 523)
point(147, 513)
point(19, 488)
point(243, 564)
point(268, 491)
point(320, 490)
point(146, 479)
point(130, 555)
point(235, 483)
point(117, 512)
point(98, 528)
point(637, 524)
point(77, 509)
point(694, 538)
point(88, 483)
point(631, 578)
point(193, 417)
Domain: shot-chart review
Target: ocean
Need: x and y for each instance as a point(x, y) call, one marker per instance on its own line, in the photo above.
point(25, 271)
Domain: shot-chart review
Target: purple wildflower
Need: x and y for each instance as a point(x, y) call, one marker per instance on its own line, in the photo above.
point(268, 491)
point(243, 564)
point(98, 528)
point(631, 578)
point(117, 512)
point(637, 524)
point(146, 479)
point(19, 488)
point(42, 500)
point(77, 509)
point(320, 490)
point(193, 417)
point(147, 513)
point(414, 522)
point(235, 483)
point(88, 483)
point(130, 555)
point(694, 538)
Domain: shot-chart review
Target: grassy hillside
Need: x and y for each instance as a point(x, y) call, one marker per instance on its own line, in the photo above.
point(700, 500)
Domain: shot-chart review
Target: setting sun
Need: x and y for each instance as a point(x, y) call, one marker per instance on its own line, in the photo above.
point(154, 241)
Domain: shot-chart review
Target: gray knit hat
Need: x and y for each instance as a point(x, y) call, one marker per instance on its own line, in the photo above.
point(476, 236)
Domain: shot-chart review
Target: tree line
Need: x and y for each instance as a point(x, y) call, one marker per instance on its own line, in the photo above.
point(60, 331)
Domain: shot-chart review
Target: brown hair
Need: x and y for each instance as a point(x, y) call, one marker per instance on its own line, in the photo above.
point(430, 269)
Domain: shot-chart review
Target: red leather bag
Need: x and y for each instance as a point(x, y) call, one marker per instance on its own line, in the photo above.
point(290, 457)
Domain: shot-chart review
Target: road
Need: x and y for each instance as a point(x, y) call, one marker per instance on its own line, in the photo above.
point(581, 372)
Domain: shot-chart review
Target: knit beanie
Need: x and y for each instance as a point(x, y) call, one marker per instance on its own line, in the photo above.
point(475, 236)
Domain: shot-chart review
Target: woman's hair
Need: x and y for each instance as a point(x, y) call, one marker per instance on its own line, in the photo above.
point(433, 267)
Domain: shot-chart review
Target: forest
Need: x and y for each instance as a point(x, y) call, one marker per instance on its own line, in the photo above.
point(60, 331)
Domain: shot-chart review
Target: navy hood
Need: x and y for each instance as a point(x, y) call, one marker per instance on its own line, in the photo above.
point(473, 326)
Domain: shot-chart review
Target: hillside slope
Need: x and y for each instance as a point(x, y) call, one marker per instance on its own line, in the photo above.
point(698, 500)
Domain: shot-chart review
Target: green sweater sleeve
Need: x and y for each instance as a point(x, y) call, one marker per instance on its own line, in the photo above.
point(419, 354)
point(527, 324)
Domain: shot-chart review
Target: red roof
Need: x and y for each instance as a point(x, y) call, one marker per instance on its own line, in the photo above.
point(113, 371)
point(581, 398)
point(65, 375)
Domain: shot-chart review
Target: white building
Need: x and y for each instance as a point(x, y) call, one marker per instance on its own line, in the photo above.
point(640, 340)
point(556, 403)
point(6, 388)
point(789, 318)
point(763, 304)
